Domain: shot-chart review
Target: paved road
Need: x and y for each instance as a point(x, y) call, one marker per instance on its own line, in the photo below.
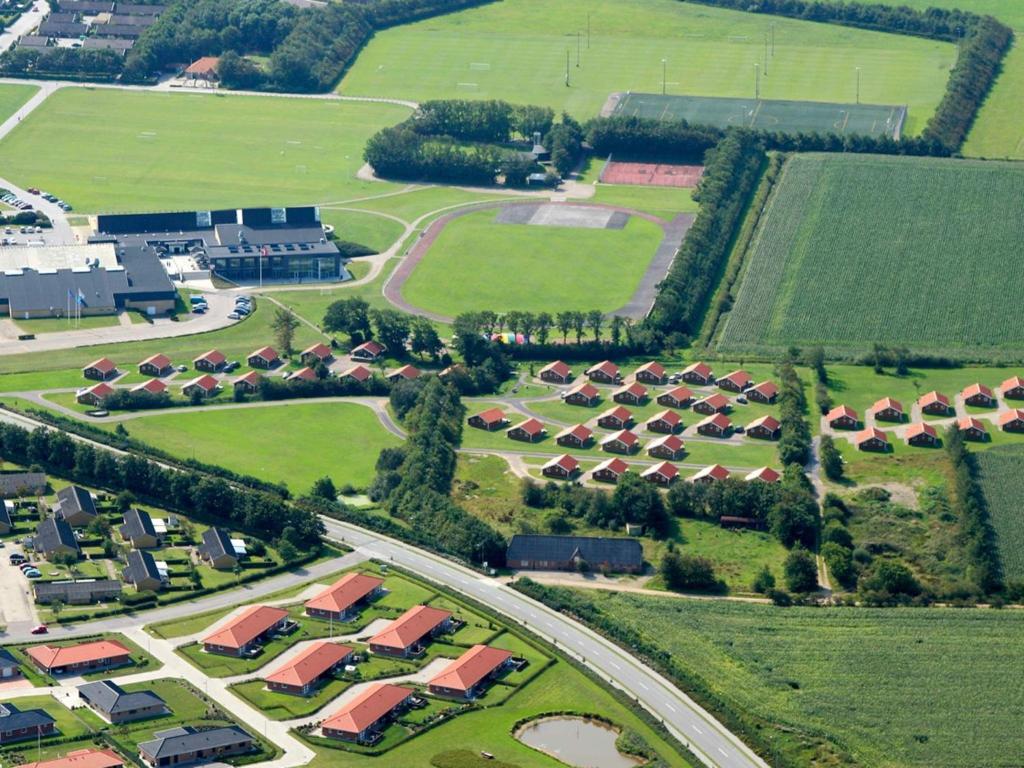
point(708, 738)
point(24, 24)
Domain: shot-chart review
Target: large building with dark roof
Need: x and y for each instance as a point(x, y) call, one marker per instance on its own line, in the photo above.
point(55, 537)
point(22, 484)
point(17, 725)
point(75, 506)
point(117, 705)
point(273, 244)
point(177, 746)
point(567, 553)
point(142, 572)
point(218, 549)
point(83, 592)
point(138, 529)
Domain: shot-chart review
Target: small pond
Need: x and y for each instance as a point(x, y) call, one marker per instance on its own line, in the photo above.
point(576, 741)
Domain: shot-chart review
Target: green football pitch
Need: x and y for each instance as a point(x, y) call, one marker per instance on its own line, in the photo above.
point(765, 114)
point(516, 50)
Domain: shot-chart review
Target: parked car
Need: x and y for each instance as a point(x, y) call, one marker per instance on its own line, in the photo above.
point(196, 300)
point(741, 399)
point(181, 368)
point(234, 316)
point(40, 630)
point(65, 207)
point(199, 309)
point(242, 311)
point(33, 573)
point(232, 366)
point(33, 191)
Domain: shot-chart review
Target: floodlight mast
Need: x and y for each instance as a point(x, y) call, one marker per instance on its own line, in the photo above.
point(757, 82)
point(858, 85)
point(664, 74)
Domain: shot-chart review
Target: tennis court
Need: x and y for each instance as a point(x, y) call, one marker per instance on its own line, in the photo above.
point(650, 174)
point(763, 114)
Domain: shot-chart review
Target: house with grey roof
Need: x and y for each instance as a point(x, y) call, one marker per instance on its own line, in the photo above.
point(9, 666)
point(18, 725)
point(218, 549)
point(14, 484)
point(567, 553)
point(115, 705)
point(54, 537)
point(179, 746)
point(84, 592)
point(142, 572)
point(6, 523)
point(75, 506)
point(138, 529)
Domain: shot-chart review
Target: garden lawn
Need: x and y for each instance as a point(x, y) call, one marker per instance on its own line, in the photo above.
point(285, 706)
point(294, 443)
point(12, 97)
point(52, 324)
point(1001, 473)
point(376, 232)
point(71, 725)
point(555, 268)
point(175, 151)
point(501, 52)
point(893, 685)
point(861, 249)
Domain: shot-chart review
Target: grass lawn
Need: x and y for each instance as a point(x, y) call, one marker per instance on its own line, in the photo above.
point(571, 268)
point(417, 201)
point(185, 702)
point(53, 324)
point(285, 706)
point(293, 444)
point(664, 202)
point(857, 675)
point(140, 660)
point(500, 52)
point(815, 276)
point(377, 232)
point(1002, 480)
point(71, 725)
point(179, 151)
point(12, 97)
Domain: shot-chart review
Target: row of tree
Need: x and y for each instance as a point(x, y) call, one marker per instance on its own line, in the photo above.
point(211, 498)
point(972, 511)
point(795, 431)
point(491, 121)
point(731, 172)
point(414, 481)
point(80, 63)
point(983, 42)
point(395, 330)
point(673, 141)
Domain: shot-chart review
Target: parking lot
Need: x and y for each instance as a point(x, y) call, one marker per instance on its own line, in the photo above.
point(16, 603)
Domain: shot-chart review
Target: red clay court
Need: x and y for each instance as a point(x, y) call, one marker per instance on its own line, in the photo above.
point(651, 174)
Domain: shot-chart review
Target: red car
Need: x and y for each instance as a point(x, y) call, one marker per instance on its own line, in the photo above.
point(40, 630)
point(33, 191)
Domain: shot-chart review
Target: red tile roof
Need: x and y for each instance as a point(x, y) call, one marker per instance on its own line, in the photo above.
point(153, 386)
point(205, 382)
point(248, 625)
point(410, 627)
point(636, 389)
point(739, 378)
point(716, 400)
point(310, 664)
point(252, 377)
point(204, 65)
point(681, 394)
point(160, 361)
point(620, 412)
point(100, 390)
point(616, 465)
point(702, 369)
point(49, 657)
point(871, 432)
point(1014, 414)
point(305, 374)
point(471, 667)
point(766, 388)
point(971, 423)
point(532, 427)
point(319, 349)
point(930, 398)
point(565, 461)
point(408, 372)
point(670, 417)
point(976, 389)
point(720, 420)
point(764, 474)
point(558, 367)
point(367, 708)
point(581, 432)
point(1011, 383)
point(671, 442)
point(666, 470)
point(887, 402)
point(607, 367)
point(371, 347)
point(358, 372)
point(623, 436)
point(654, 368)
point(81, 758)
point(104, 364)
point(344, 593)
point(715, 472)
point(265, 353)
point(920, 428)
point(768, 421)
point(841, 410)
point(586, 389)
point(491, 416)
point(214, 356)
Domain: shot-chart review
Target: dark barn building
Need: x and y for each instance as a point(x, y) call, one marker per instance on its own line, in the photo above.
point(564, 553)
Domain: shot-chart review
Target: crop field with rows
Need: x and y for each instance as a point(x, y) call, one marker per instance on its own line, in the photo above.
point(914, 252)
point(894, 686)
point(1002, 480)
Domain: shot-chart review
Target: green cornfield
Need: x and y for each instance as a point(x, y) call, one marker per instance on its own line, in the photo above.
point(1001, 473)
point(891, 687)
point(858, 249)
